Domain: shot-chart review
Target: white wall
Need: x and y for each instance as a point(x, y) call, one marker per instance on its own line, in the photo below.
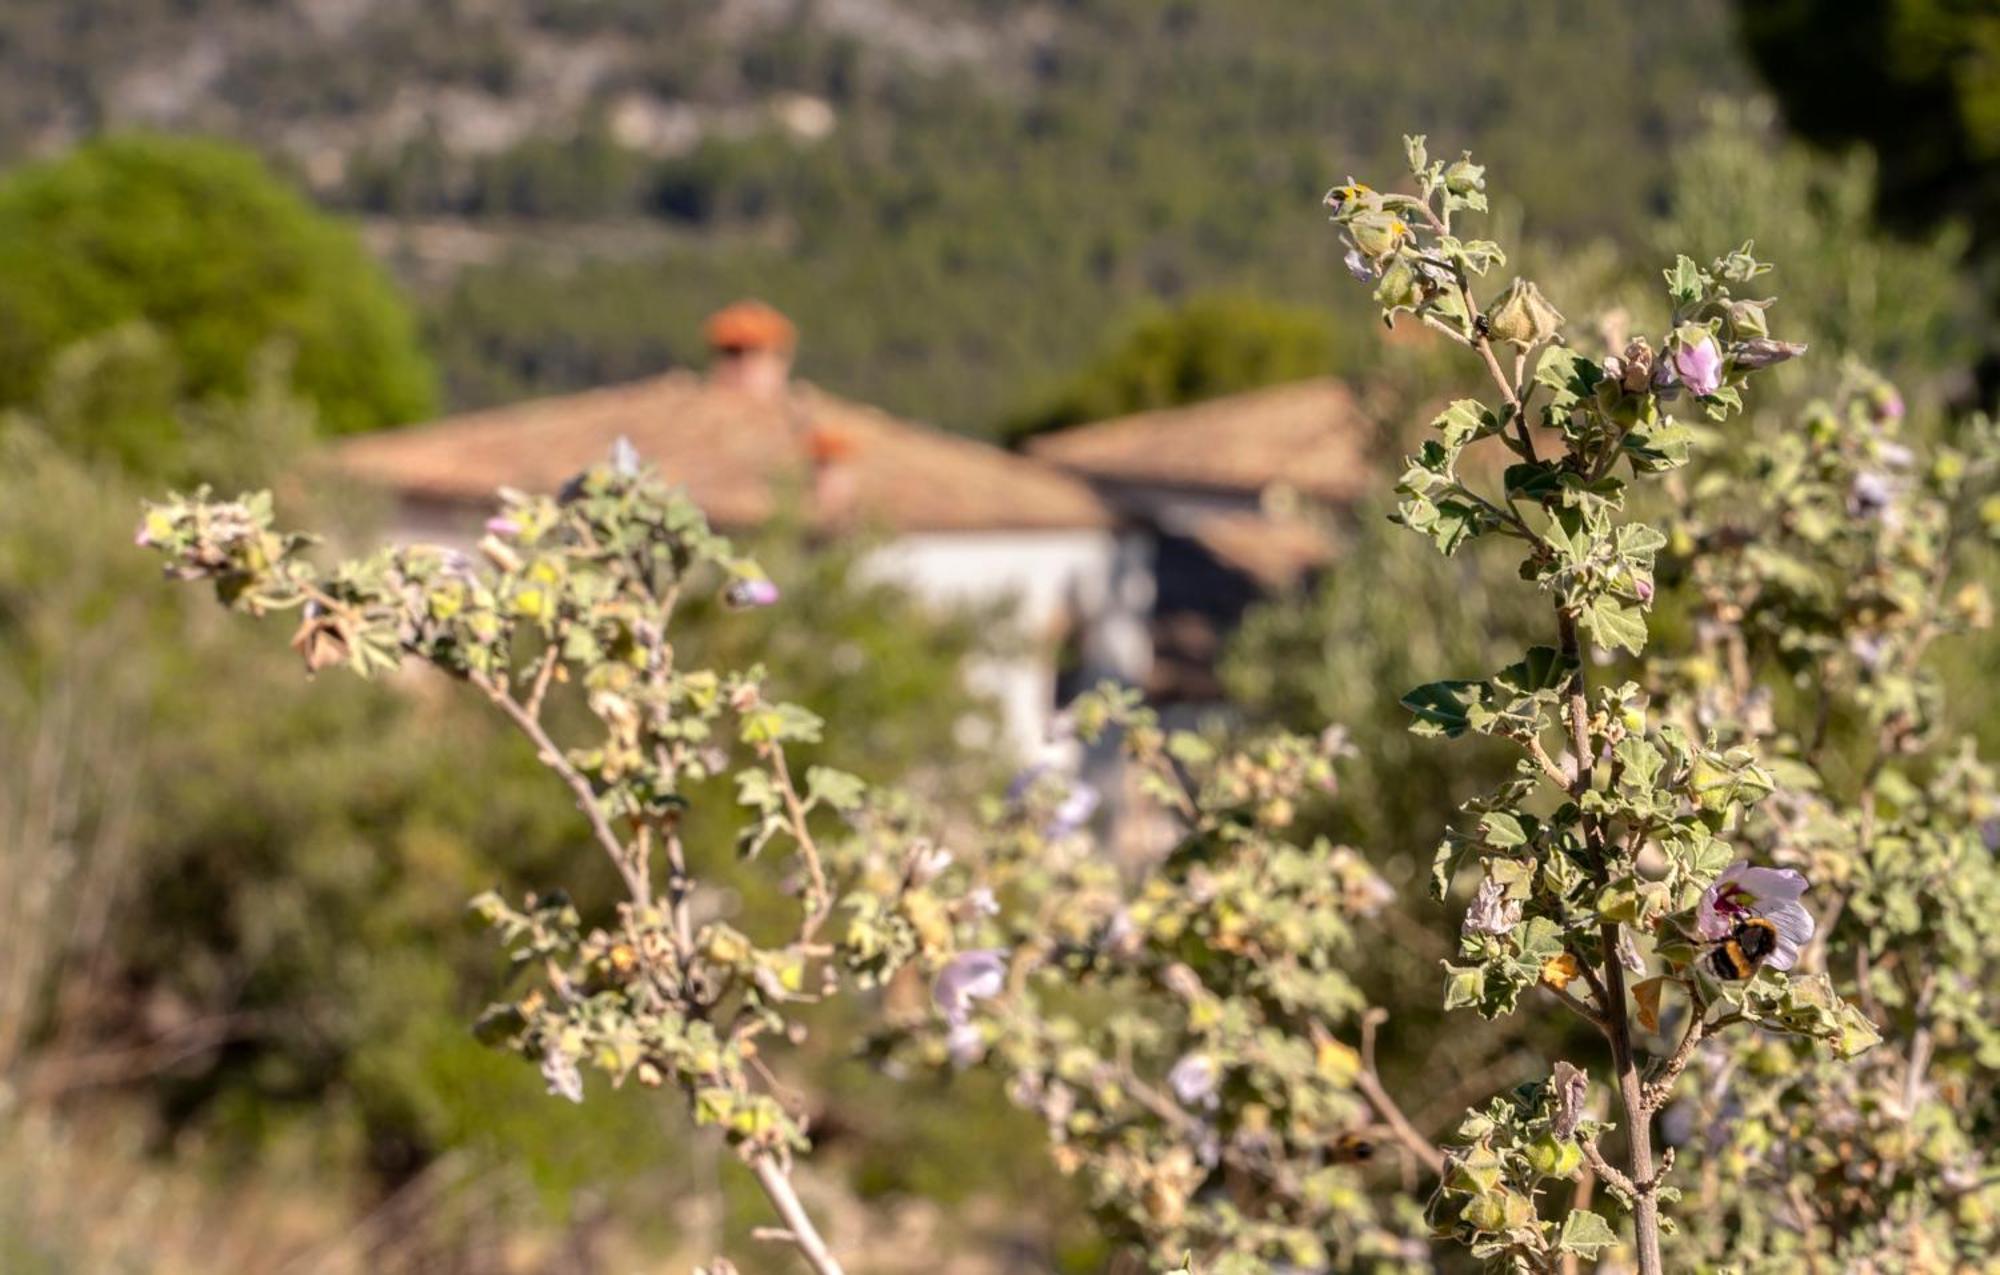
point(1098, 582)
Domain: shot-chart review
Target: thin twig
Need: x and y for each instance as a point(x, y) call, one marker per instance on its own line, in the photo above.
point(636, 881)
point(1557, 775)
point(1370, 1084)
point(799, 1229)
point(1568, 998)
point(543, 676)
point(1604, 1168)
point(822, 895)
point(1660, 1088)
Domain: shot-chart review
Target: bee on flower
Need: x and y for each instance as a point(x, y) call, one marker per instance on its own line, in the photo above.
point(1754, 918)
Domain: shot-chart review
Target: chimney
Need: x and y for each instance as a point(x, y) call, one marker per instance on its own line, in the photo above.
point(750, 349)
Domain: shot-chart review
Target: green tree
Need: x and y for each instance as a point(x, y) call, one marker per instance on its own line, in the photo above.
point(201, 242)
point(1918, 80)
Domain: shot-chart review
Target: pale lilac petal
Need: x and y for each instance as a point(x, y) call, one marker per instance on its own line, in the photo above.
point(559, 1070)
point(1795, 930)
point(744, 594)
point(1193, 1080)
point(968, 977)
point(1718, 912)
point(1492, 912)
point(966, 1044)
point(1073, 812)
point(1699, 364)
point(1765, 887)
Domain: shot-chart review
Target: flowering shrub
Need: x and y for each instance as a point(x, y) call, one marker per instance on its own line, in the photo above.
point(579, 591)
point(1604, 863)
point(1825, 563)
point(1192, 1041)
point(1739, 863)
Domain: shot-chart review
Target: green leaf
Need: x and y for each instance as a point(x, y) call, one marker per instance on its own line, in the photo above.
point(1502, 830)
point(835, 788)
point(1570, 377)
point(1684, 282)
point(1464, 986)
point(1464, 421)
point(1441, 707)
point(1611, 623)
point(1658, 447)
point(1189, 748)
point(1539, 482)
point(1641, 763)
point(780, 723)
point(1543, 668)
point(1585, 1233)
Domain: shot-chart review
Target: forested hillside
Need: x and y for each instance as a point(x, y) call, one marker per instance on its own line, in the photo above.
point(958, 199)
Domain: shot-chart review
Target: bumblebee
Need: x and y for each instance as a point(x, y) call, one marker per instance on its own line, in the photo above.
point(1353, 1148)
point(1747, 947)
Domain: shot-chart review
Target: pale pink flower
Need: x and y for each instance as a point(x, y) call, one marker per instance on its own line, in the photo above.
point(751, 593)
point(970, 976)
point(1699, 365)
point(1743, 892)
point(1193, 1080)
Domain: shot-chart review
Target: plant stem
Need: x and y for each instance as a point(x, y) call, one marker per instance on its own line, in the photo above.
point(800, 1232)
point(1617, 1020)
point(1638, 1121)
point(1369, 1081)
point(636, 881)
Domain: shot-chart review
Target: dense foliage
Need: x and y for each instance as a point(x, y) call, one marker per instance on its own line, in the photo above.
point(213, 259)
point(1188, 1027)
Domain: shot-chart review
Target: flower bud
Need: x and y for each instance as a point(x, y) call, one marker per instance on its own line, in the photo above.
point(1635, 368)
point(1746, 320)
point(1377, 234)
point(1553, 1157)
point(1885, 404)
point(1869, 494)
point(1357, 265)
point(1523, 316)
point(1465, 177)
point(1399, 286)
point(1973, 606)
point(1764, 352)
point(1487, 1211)
point(1344, 198)
point(743, 594)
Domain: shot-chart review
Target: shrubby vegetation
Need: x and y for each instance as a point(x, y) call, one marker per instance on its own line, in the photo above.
point(1189, 1034)
point(192, 257)
point(248, 935)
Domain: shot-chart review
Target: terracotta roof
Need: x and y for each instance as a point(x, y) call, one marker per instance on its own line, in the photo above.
point(1309, 435)
point(735, 452)
point(1276, 552)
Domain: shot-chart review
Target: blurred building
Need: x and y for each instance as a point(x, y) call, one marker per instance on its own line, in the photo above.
point(957, 521)
point(1233, 494)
